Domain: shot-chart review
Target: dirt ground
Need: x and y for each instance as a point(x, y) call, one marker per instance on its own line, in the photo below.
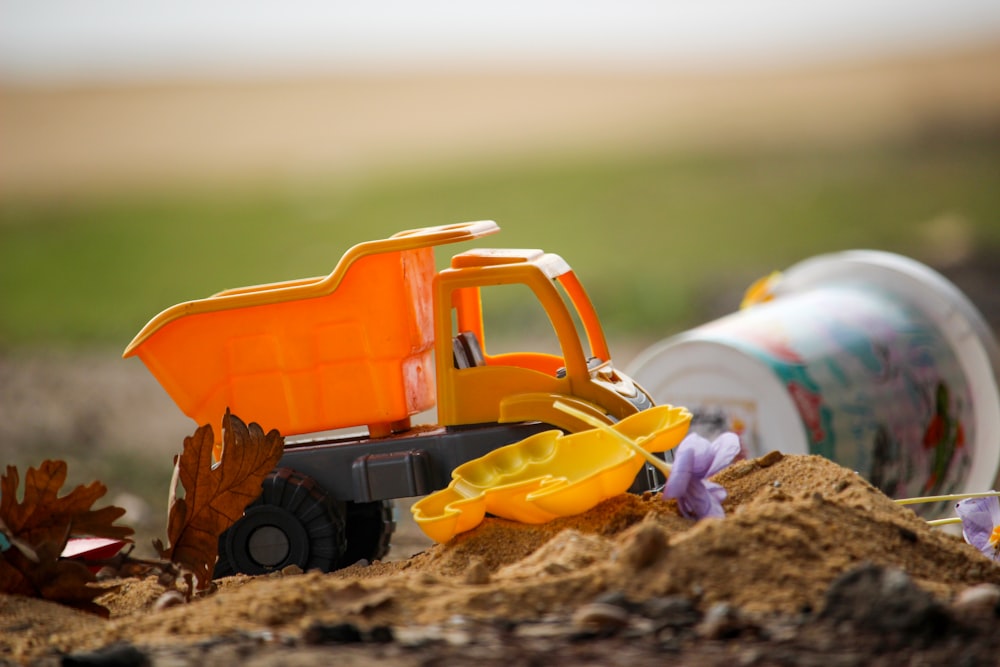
point(811, 566)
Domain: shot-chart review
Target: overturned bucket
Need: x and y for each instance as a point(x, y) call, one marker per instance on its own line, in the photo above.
point(867, 358)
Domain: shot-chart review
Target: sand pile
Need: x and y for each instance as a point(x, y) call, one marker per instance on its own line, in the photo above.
point(793, 525)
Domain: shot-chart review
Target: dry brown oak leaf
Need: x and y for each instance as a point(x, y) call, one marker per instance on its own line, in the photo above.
point(215, 496)
point(42, 524)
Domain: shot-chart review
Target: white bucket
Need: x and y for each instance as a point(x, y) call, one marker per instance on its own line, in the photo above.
point(867, 358)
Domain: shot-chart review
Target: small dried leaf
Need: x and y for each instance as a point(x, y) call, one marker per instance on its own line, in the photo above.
point(39, 528)
point(215, 496)
point(44, 516)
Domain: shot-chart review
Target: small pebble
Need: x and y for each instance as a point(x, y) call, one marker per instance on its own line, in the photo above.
point(171, 598)
point(457, 637)
point(770, 459)
point(338, 633)
point(600, 617)
point(980, 598)
point(721, 621)
point(542, 630)
point(291, 570)
point(617, 598)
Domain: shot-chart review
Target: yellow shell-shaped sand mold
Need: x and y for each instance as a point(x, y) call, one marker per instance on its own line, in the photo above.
point(549, 474)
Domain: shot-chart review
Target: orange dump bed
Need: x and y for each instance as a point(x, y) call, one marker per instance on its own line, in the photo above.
point(349, 349)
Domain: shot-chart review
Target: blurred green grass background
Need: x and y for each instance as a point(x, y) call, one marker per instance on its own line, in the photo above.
point(657, 238)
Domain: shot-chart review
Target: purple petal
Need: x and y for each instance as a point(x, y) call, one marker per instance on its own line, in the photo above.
point(718, 492)
point(725, 448)
point(701, 452)
point(697, 503)
point(979, 518)
point(681, 475)
point(702, 500)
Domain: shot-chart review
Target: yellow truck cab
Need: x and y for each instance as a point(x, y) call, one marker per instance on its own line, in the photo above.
point(522, 386)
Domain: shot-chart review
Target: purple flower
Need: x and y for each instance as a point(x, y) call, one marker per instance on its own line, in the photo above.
point(981, 524)
point(695, 460)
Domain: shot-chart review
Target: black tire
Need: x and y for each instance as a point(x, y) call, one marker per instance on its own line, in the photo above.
point(293, 522)
point(369, 530)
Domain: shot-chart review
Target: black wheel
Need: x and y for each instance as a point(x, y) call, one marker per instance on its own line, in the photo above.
point(369, 528)
point(293, 522)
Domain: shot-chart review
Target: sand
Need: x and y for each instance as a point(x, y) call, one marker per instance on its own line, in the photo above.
point(793, 525)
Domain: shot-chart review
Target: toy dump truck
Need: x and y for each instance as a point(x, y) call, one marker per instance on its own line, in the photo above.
point(383, 337)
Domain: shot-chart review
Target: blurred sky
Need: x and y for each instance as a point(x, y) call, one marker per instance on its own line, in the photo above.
point(53, 40)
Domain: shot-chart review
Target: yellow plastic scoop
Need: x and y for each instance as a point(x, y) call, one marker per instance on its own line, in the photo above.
point(550, 474)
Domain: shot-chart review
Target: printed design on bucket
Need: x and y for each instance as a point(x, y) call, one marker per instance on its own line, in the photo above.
point(815, 415)
point(943, 437)
point(712, 418)
point(877, 387)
